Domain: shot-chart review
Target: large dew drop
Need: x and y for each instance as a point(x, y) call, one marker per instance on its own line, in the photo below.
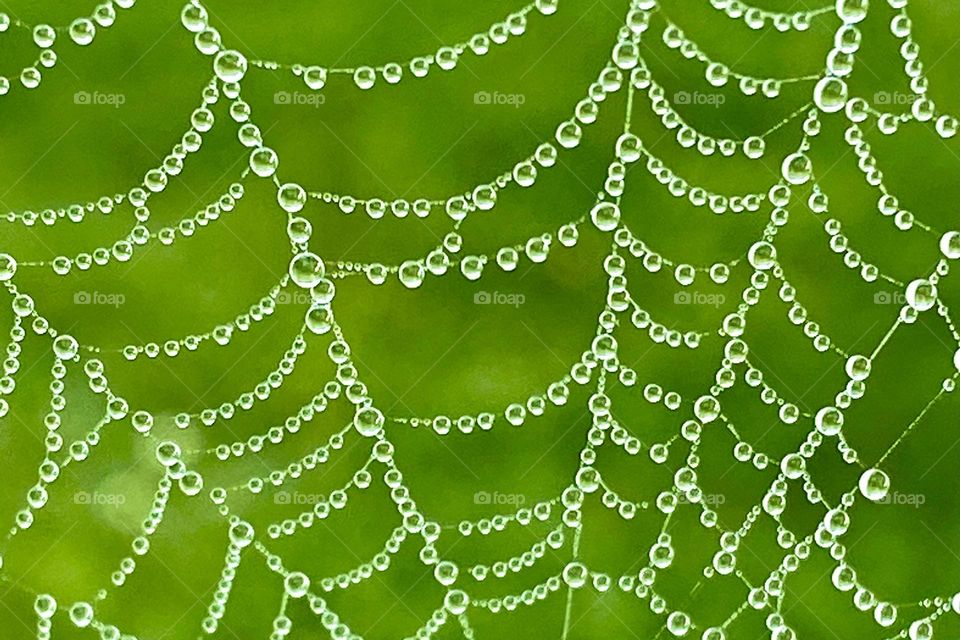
point(921, 294)
point(829, 421)
point(605, 216)
point(830, 94)
point(8, 267)
point(852, 11)
point(950, 245)
point(858, 367)
point(874, 484)
point(762, 255)
point(797, 168)
point(368, 421)
point(230, 66)
point(291, 197)
point(306, 270)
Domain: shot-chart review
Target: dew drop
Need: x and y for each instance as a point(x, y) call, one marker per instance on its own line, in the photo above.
point(797, 168)
point(874, 484)
point(230, 66)
point(830, 94)
point(368, 421)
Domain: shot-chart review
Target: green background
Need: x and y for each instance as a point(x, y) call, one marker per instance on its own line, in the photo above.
point(432, 350)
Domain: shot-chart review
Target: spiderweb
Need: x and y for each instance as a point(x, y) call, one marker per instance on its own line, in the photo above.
point(807, 491)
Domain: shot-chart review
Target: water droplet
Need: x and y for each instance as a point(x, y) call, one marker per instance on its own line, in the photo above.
point(291, 197)
point(230, 66)
point(797, 168)
point(368, 421)
point(852, 11)
point(830, 94)
point(949, 246)
point(605, 216)
point(306, 270)
point(82, 31)
point(762, 255)
point(829, 421)
point(296, 584)
point(921, 294)
point(874, 484)
point(8, 267)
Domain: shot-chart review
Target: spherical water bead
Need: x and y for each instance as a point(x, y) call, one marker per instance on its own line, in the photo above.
point(142, 421)
point(707, 409)
point(829, 421)
point(8, 267)
point(605, 216)
point(858, 367)
point(318, 319)
point(569, 134)
point(44, 36)
point(242, 534)
point(921, 630)
point(793, 465)
point(754, 147)
point(368, 421)
point(65, 347)
point(885, 614)
point(306, 270)
point(230, 66)
point(947, 126)
point(921, 294)
point(299, 230)
point(45, 606)
point(575, 575)
point(81, 614)
point(191, 483)
point(412, 273)
point(446, 573)
point(949, 247)
point(717, 74)
point(547, 7)
point(264, 161)
point(874, 484)
point(762, 255)
point(30, 77)
point(678, 623)
point(852, 11)
point(364, 77)
point(830, 94)
point(456, 601)
point(315, 77)
point(296, 584)
point(797, 168)
point(82, 31)
point(291, 197)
